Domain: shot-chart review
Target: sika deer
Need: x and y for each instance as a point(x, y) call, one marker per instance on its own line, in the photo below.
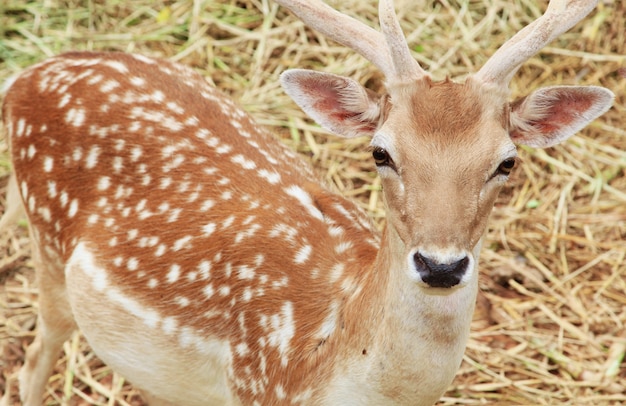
point(203, 261)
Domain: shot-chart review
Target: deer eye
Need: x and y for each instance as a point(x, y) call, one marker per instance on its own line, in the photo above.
point(381, 157)
point(506, 167)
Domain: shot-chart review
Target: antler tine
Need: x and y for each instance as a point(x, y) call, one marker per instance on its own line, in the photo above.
point(558, 18)
point(344, 29)
point(388, 50)
point(405, 66)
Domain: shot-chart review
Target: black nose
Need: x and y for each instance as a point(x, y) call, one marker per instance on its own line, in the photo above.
point(438, 275)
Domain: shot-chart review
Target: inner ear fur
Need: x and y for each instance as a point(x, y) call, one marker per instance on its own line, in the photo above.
point(339, 104)
point(551, 115)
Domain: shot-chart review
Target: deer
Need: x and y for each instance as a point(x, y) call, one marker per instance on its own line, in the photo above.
point(205, 261)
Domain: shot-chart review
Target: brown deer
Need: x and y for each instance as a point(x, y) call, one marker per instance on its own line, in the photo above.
point(203, 260)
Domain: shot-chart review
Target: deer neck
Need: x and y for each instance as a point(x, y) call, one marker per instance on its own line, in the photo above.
point(403, 328)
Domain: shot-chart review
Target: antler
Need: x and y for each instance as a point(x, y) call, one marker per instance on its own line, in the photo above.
point(387, 50)
point(558, 18)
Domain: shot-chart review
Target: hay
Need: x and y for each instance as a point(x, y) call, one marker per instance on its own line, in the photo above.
point(550, 323)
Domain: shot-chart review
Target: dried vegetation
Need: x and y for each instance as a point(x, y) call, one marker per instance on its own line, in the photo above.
point(550, 323)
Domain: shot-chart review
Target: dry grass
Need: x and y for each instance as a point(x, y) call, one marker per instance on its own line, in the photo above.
point(550, 324)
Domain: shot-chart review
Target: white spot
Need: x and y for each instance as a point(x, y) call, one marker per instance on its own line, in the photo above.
point(243, 161)
point(160, 250)
point(118, 66)
point(192, 121)
point(228, 222)
point(169, 325)
point(32, 151)
point(280, 392)
point(183, 186)
point(65, 100)
point(205, 268)
point(224, 290)
point(208, 229)
point(158, 96)
point(242, 349)
point(182, 301)
point(21, 126)
point(305, 200)
point(77, 154)
point(271, 177)
point(208, 291)
point(52, 189)
point(132, 234)
point(227, 195)
point(173, 274)
point(343, 247)
point(73, 208)
point(75, 117)
point(145, 181)
point(63, 198)
point(45, 213)
point(246, 295)
point(109, 85)
point(141, 205)
point(93, 218)
point(335, 231)
point(118, 164)
point(245, 272)
point(223, 149)
point(336, 272)
point(182, 243)
point(92, 157)
point(163, 207)
point(31, 204)
point(132, 264)
point(247, 234)
point(303, 254)
point(330, 322)
point(48, 163)
point(137, 81)
point(135, 153)
point(104, 182)
point(174, 215)
point(283, 330)
point(165, 183)
point(203, 133)
point(153, 283)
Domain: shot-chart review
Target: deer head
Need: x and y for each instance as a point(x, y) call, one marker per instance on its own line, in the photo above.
point(443, 149)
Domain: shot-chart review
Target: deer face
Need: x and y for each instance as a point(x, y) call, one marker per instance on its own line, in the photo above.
point(443, 153)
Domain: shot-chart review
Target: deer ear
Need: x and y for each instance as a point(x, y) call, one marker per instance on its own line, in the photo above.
point(553, 114)
point(337, 103)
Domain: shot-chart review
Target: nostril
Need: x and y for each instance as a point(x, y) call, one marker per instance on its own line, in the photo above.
point(440, 275)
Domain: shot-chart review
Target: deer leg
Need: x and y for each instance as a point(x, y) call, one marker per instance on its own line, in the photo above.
point(54, 326)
